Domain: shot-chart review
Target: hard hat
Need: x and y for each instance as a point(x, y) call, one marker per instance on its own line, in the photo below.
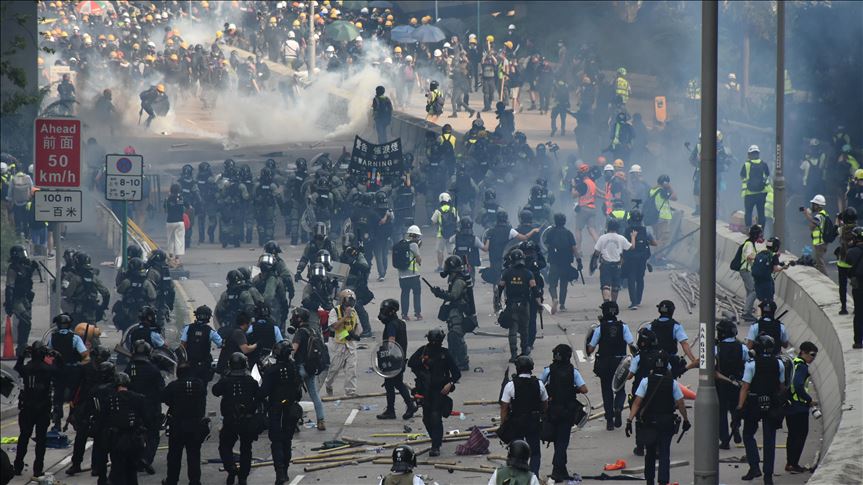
point(388, 60)
point(273, 20)
point(291, 34)
point(397, 50)
point(136, 46)
point(489, 38)
point(409, 58)
point(753, 149)
point(169, 42)
point(364, 10)
point(295, 23)
point(511, 27)
point(818, 200)
point(413, 21)
point(358, 39)
point(621, 71)
point(175, 57)
point(358, 25)
point(635, 169)
point(219, 34)
point(160, 87)
point(471, 36)
point(102, 37)
point(858, 174)
point(618, 163)
point(472, 40)
point(732, 76)
point(508, 44)
point(437, 53)
point(389, 23)
point(414, 231)
point(331, 48)
point(390, 17)
point(447, 45)
point(443, 197)
point(608, 168)
point(232, 26)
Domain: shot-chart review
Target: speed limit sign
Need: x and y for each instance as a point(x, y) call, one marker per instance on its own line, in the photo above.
point(124, 177)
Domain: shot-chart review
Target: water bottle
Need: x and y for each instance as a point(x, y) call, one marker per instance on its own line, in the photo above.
point(461, 416)
point(816, 412)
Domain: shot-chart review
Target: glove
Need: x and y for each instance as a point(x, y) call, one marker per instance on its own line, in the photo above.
point(737, 414)
point(686, 425)
point(298, 277)
point(579, 265)
point(438, 292)
point(628, 429)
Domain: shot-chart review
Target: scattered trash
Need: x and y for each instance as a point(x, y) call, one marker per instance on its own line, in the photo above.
point(407, 429)
point(367, 407)
point(620, 464)
point(453, 432)
point(478, 370)
point(214, 285)
point(338, 403)
point(476, 444)
point(461, 416)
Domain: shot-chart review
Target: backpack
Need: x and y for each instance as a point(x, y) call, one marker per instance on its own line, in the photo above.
point(757, 180)
point(317, 355)
point(762, 267)
point(21, 187)
point(651, 211)
point(401, 254)
point(408, 72)
point(448, 223)
point(438, 106)
point(830, 232)
point(737, 260)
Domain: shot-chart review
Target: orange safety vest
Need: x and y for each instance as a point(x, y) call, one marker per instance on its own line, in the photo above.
point(589, 199)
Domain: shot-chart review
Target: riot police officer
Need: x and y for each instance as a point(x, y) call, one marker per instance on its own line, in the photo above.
point(319, 242)
point(358, 281)
point(404, 205)
point(318, 293)
point(146, 379)
point(731, 358)
point(467, 246)
point(656, 398)
point(234, 300)
point(188, 425)
point(522, 404)
point(126, 419)
point(436, 376)
point(34, 403)
point(518, 284)
point(159, 274)
point(669, 332)
point(490, 207)
point(763, 378)
point(18, 295)
point(132, 251)
point(535, 262)
point(192, 199)
point(136, 292)
point(768, 324)
point(495, 241)
point(395, 331)
point(457, 309)
point(72, 351)
point(69, 280)
point(248, 182)
point(563, 383)
point(242, 422)
point(270, 285)
point(232, 198)
point(263, 333)
point(264, 202)
point(207, 215)
point(196, 338)
point(89, 298)
point(562, 251)
point(611, 338)
point(517, 469)
point(98, 372)
point(640, 367)
point(147, 330)
point(281, 268)
point(281, 390)
point(404, 462)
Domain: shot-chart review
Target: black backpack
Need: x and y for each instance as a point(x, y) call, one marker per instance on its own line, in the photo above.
point(401, 254)
point(737, 260)
point(448, 223)
point(757, 180)
point(651, 211)
point(762, 267)
point(317, 355)
point(830, 232)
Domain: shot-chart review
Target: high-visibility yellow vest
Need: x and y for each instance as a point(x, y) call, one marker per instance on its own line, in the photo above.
point(794, 396)
point(661, 203)
point(818, 231)
point(622, 88)
point(347, 328)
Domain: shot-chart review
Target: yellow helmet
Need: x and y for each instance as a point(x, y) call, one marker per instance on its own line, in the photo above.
point(358, 25)
point(176, 31)
point(618, 163)
point(413, 21)
point(41, 61)
point(334, 14)
point(219, 34)
point(295, 23)
point(150, 58)
point(160, 87)
point(102, 37)
point(148, 18)
point(388, 23)
point(390, 17)
point(205, 4)
point(397, 50)
point(64, 34)
point(273, 20)
point(175, 57)
point(225, 62)
point(508, 44)
point(858, 174)
point(136, 46)
point(489, 38)
point(184, 44)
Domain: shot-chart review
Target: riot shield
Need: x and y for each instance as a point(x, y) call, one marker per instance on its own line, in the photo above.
point(585, 401)
point(388, 359)
point(10, 387)
point(621, 374)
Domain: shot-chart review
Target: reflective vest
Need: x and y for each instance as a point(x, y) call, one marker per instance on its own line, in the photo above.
point(619, 214)
point(661, 203)
point(622, 88)
point(810, 163)
point(347, 328)
point(747, 167)
point(768, 204)
point(794, 396)
point(589, 199)
point(447, 137)
point(818, 231)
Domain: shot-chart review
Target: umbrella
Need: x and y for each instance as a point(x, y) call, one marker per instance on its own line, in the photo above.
point(94, 7)
point(380, 4)
point(341, 31)
point(403, 34)
point(452, 26)
point(428, 34)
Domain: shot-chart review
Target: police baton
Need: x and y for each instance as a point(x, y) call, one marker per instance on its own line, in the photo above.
point(52, 274)
point(680, 437)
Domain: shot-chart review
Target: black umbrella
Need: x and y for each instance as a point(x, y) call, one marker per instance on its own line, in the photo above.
point(429, 34)
point(452, 26)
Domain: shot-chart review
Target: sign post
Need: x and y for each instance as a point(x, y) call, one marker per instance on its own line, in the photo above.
point(57, 164)
point(124, 181)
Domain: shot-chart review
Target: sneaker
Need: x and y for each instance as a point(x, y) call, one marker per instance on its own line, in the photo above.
point(434, 452)
point(438, 269)
point(321, 425)
point(367, 335)
point(795, 469)
point(633, 307)
point(406, 318)
point(512, 359)
point(381, 278)
point(418, 316)
point(387, 414)
point(752, 474)
point(412, 409)
point(19, 467)
point(843, 311)
point(562, 308)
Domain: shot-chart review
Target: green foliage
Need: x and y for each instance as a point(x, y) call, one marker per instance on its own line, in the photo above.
point(13, 101)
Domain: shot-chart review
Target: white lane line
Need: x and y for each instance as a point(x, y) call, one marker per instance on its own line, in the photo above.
point(297, 479)
point(68, 459)
point(582, 357)
point(351, 417)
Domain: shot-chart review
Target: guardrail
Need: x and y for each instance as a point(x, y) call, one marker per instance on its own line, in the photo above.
point(111, 231)
point(813, 314)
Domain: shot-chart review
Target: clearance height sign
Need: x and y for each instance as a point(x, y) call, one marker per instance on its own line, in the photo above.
point(58, 152)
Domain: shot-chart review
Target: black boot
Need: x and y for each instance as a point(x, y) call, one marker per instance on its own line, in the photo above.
point(75, 468)
point(281, 476)
point(412, 409)
point(388, 413)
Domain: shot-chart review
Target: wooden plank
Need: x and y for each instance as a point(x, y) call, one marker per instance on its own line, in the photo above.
point(640, 469)
point(464, 468)
point(355, 396)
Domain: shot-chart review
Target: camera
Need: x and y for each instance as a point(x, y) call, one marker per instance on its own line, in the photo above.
point(801, 208)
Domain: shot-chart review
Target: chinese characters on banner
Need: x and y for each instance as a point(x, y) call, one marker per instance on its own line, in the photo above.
point(376, 165)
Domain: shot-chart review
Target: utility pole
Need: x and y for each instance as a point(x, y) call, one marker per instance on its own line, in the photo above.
point(477, 22)
point(779, 170)
point(436, 17)
point(706, 460)
point(311, 39)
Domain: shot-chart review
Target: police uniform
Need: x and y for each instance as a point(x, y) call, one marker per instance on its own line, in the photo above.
point(186, 399)
point(264, 202)
point(457, 295)
point(71, 349)
point(434, 368)
point(126, 419)
point(34, 409)
point(612, 338)
point(160, 276)
point(19, 298)
point(136, 292)
point(765, 375)
point(238, 408)
point(772, 327)
point(659, 394)
point(562, 382)
point(731, 358)
point(271, 286)
point(196, 338)
point(89, 297)
point(281, 387)
point(266, 335)
point(146, 379)
point(516, 284)
point(525, 395)
point(234, 300)
point(669, 333)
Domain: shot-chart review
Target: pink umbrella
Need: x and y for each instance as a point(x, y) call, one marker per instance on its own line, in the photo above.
point(94, 7)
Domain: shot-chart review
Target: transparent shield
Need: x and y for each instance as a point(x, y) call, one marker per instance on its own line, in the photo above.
point(388, 359)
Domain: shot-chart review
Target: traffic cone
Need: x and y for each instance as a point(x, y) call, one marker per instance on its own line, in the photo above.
point(687, 392)
point(8, 343)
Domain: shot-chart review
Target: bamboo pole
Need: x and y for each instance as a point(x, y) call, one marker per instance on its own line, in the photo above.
point(355, 396)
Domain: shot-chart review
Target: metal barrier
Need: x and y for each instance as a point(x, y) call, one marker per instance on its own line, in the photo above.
point(111, 231)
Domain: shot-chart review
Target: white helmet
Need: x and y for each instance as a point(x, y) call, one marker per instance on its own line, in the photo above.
point(753, 149)
point(635, 169)
point(409, 58)
point(511, 27)
point(608, 168)
point(232, 26)
point(359, 38)
point(437, 53)
point(444, 197)
point(388, 60)
point(414, 231)
point(732, 76)
point(364, 10)
point(471, 36)
point(331, 48)
point(819, 200)
point(5, 168)
point(291, 34)
point(447, 45)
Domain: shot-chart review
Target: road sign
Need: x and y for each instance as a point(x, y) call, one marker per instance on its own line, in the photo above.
point(58, 152)
point(124, 178)
point(58, 205)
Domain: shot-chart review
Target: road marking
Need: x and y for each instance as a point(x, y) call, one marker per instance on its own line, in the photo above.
point(351, 417)
point(297, 479)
